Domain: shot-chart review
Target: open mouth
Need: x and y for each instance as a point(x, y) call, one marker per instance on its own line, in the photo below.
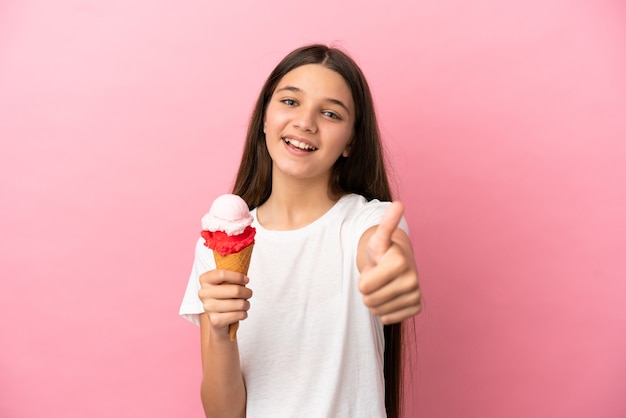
point(298, 144)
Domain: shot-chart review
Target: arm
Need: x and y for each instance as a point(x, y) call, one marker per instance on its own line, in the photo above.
point(224, 297)
point(389, 281)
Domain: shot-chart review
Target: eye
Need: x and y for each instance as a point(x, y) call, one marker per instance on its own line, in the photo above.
point(289, 102)
point(331, 115)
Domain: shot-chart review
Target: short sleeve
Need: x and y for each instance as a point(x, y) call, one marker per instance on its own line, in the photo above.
point(370, 215)
point(191, 306)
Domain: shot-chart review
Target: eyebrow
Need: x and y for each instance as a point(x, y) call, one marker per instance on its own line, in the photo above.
point(328, 99)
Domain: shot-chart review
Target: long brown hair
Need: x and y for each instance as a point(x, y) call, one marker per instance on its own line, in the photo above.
point(362, 172)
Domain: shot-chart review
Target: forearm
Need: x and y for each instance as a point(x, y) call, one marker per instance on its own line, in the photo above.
point(223, 392)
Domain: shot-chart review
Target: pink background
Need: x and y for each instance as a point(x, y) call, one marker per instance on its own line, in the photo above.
point(506, 124)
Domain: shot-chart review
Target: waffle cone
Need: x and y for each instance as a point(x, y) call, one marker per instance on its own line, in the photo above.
point(238, 262)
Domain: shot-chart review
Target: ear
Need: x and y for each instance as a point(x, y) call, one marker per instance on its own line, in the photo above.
point(346, 151)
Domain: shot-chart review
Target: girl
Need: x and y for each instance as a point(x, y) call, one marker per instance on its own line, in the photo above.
point(333, 270)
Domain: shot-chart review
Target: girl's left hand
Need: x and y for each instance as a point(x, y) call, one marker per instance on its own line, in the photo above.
point(389, 281)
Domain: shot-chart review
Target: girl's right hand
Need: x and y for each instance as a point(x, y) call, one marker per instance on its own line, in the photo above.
point(224, 296)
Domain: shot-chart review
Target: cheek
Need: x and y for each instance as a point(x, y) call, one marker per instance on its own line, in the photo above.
point(342, 136)
point(273, 116)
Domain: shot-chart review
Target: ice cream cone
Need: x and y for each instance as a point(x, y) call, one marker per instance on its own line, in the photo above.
point(239, 262)
point(227, 230)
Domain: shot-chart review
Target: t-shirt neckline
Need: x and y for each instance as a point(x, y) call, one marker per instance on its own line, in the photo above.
point(326, 215)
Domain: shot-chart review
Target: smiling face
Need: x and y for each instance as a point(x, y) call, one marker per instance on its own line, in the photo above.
point(309, 123)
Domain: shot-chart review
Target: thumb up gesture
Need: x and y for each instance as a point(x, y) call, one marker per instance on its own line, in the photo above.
point(389, 281)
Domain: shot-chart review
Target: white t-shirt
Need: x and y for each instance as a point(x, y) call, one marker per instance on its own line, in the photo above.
point(309, 347)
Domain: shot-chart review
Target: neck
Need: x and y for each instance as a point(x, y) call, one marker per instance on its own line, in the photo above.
point(294, 204)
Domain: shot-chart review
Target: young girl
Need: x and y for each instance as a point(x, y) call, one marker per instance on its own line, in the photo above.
point(332, 273)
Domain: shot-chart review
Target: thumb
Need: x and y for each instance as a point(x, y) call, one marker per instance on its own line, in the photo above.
point(380, 241)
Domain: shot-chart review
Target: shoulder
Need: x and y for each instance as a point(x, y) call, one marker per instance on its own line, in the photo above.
point(203, 256)
point(358, 202)
point(364, 214)
point(357, 207)
point(358, 214)
point(200, 247)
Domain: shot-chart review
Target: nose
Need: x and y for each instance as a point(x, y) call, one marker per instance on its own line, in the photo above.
point(305, 120)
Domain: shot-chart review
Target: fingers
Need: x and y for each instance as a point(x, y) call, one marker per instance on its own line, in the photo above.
point(395, 303)
point(210, 295)
point(380, 241)
point(391, 265)
point(390, 287)
point(400, 315)
point(219, 276)
point(224, 297)
point(227, 313)
point(403, 288)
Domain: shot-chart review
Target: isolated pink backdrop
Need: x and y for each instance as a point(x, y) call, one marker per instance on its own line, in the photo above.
point(506, 124)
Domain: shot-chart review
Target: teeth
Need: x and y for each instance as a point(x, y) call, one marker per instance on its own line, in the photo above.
point(298, 144)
